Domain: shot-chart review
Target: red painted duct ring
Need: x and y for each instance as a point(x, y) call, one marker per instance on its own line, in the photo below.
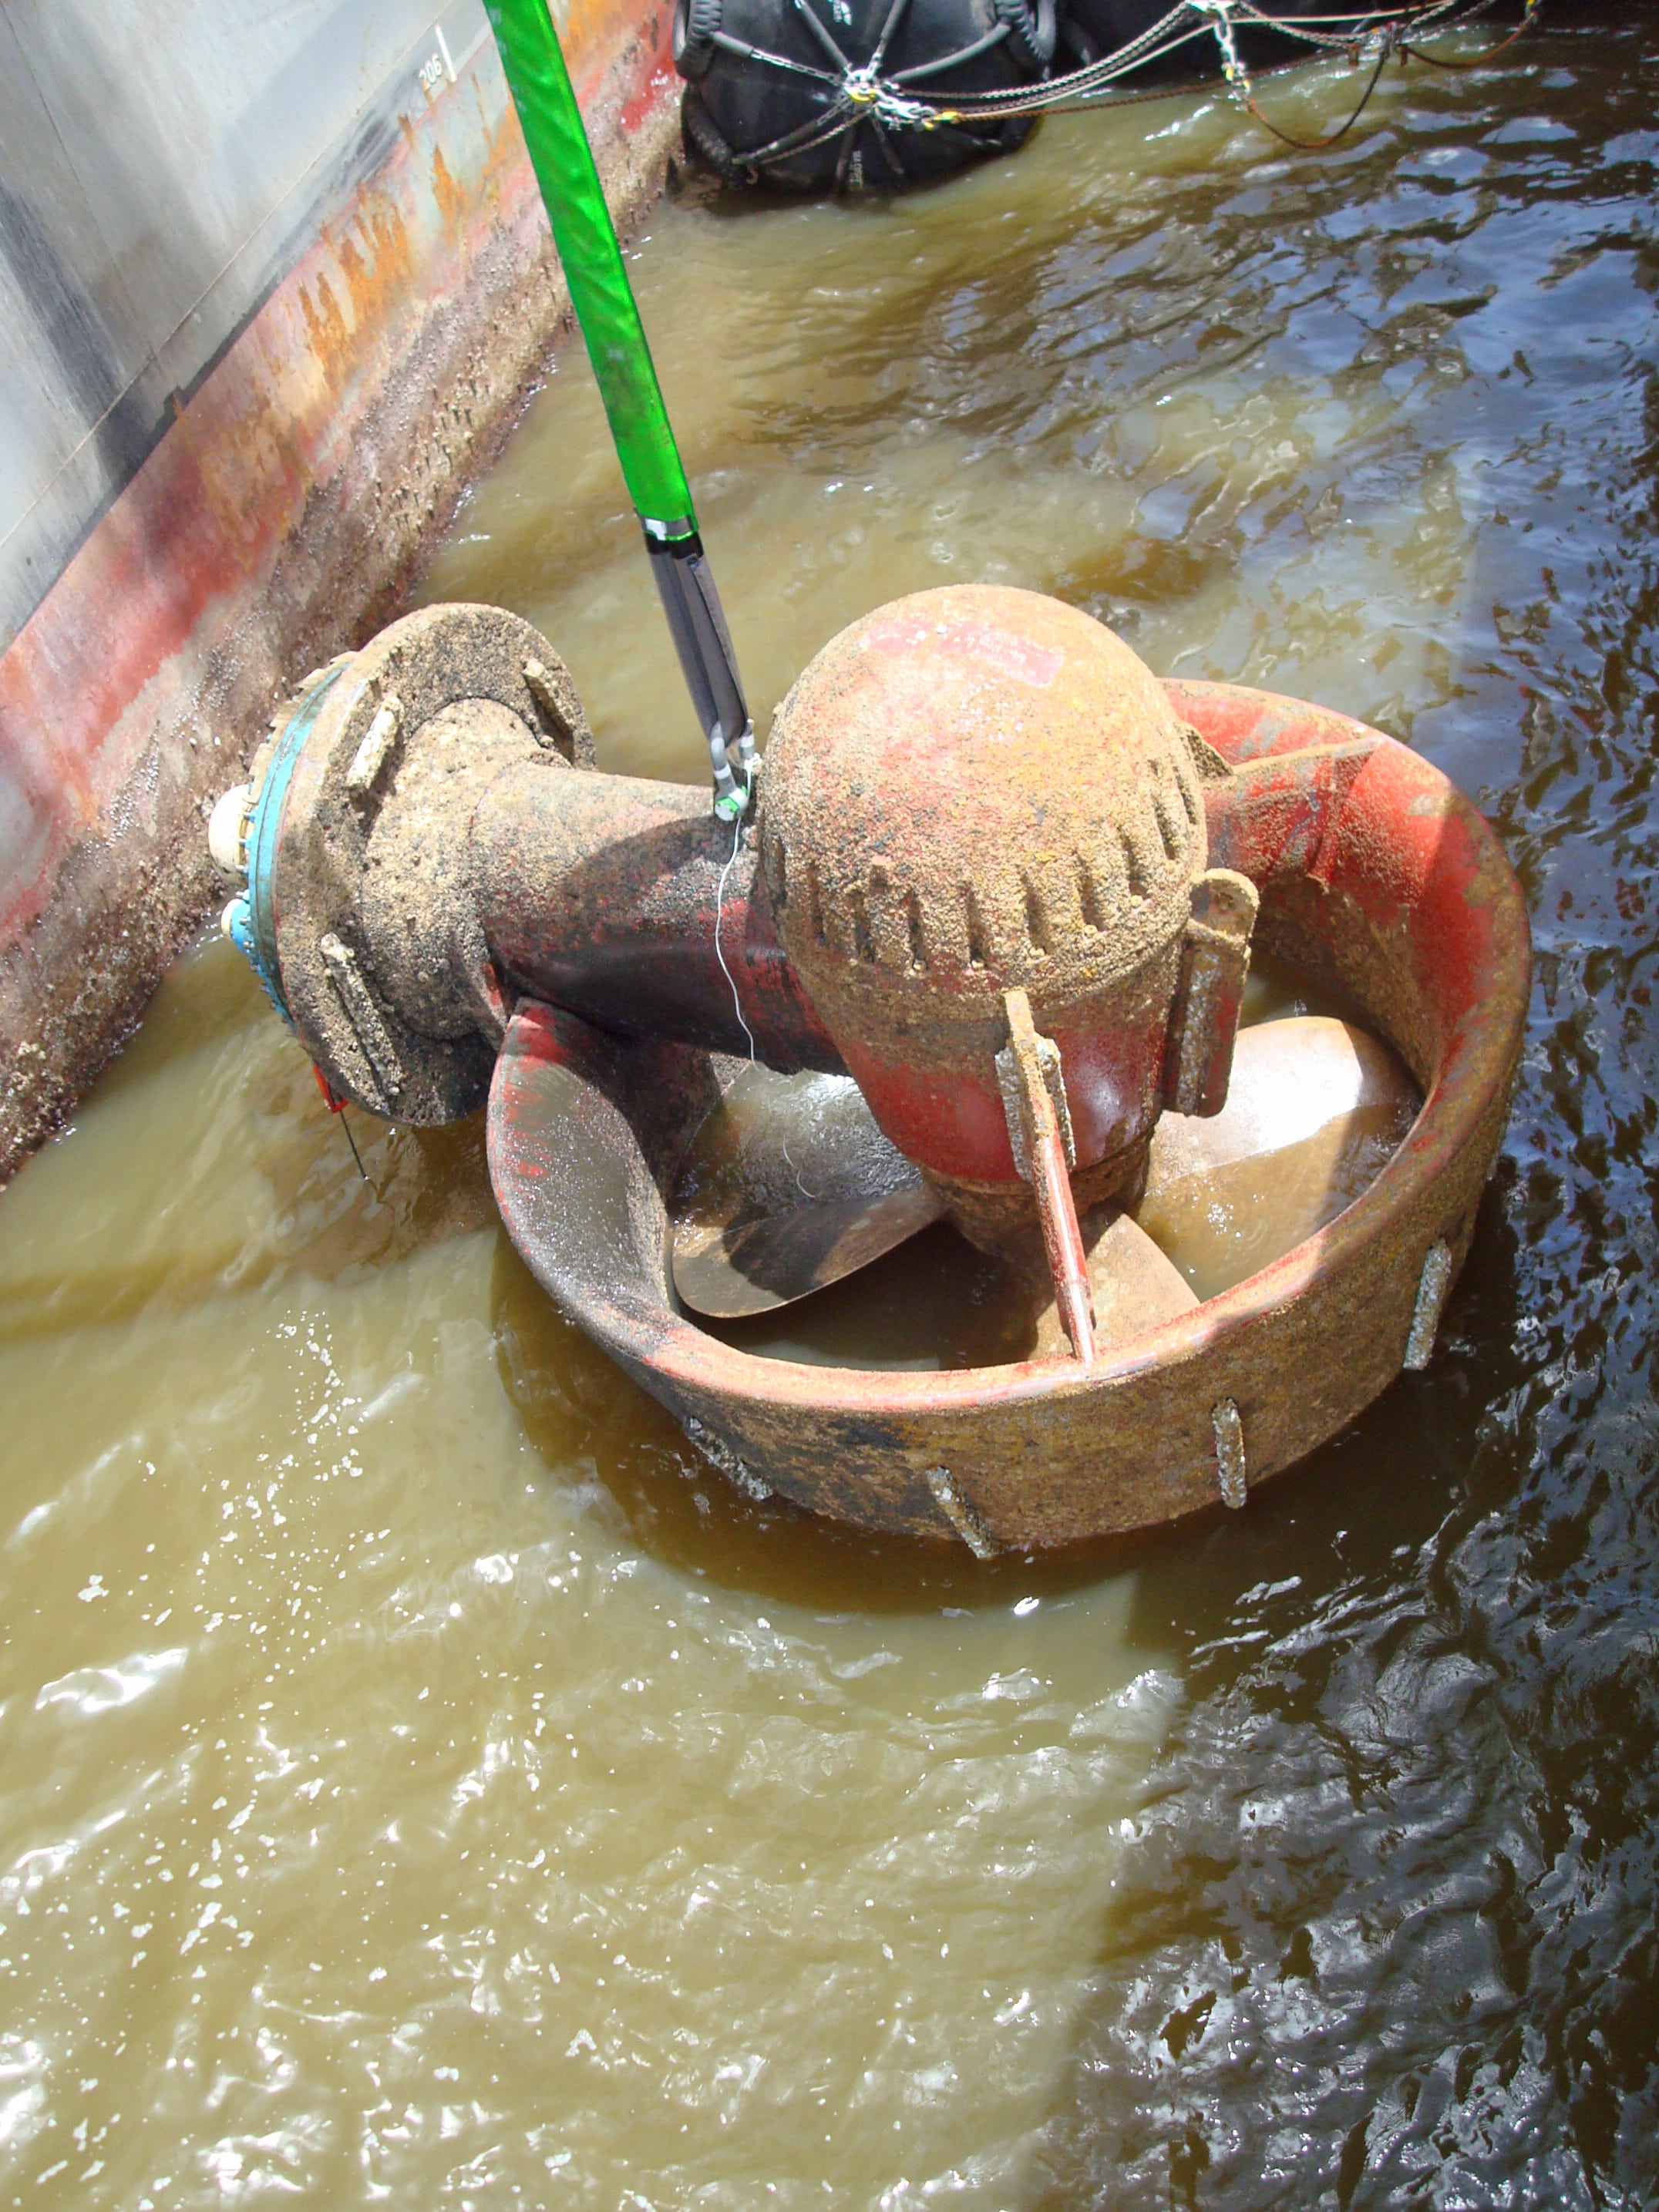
point(1376, 877)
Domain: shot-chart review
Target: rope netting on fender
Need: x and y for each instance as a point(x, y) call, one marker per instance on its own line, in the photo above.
point(839, 93)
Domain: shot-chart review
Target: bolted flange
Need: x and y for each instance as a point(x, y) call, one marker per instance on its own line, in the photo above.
point(359, 916)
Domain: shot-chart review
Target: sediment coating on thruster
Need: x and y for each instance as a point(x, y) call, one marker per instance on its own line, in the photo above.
point(998, 782)
point(971, 790)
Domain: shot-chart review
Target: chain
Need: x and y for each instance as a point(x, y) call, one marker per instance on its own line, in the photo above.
point(1528, 14)
point(868, 89)
point(1238, 77)
point(1384, 38)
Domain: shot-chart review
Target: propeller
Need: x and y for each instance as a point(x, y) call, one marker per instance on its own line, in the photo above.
point(789, 1186)
point(1315, 1108)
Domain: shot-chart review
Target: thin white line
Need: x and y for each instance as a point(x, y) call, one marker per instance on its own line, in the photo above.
point(720, 916)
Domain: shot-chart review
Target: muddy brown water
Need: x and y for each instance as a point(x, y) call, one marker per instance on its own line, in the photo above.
point(425, 1784)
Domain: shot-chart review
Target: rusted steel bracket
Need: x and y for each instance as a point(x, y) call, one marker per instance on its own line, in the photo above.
point(1276, 815)
point(960, 1514)
point(1039, 1133)
point(1215, 958)
point(1231, 1470)
point(373, 1038)
point(1432, 1285)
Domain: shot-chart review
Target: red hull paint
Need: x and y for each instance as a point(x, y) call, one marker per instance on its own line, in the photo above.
point(277, 514)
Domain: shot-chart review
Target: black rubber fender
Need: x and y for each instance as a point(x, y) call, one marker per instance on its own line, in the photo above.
point(1032, 31)
point(776, 115)
point(696, 22)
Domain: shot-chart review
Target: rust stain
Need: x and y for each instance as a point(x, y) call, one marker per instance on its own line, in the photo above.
point(256, 462)
point(451, 201)
point(504, 154)
point(358, 276)
point(326, 329)
point(374, 255)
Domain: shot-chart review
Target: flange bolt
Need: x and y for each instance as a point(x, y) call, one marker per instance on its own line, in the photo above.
point(227, 830)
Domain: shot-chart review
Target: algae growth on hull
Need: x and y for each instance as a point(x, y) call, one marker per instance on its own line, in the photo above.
point(425, 1782)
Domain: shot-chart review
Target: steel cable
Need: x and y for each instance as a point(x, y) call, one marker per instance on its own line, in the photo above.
point(862, 93)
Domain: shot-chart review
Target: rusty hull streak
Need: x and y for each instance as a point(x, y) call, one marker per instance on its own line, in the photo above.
point(1375, 873)
point(272, 525)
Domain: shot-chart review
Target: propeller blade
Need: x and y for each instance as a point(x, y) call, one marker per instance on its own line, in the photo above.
point(1132, 1285)
point(788, 1186)
point(730, 1272)
point(1314, 1109)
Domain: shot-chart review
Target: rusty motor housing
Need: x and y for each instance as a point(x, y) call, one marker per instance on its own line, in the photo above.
point(978, 790)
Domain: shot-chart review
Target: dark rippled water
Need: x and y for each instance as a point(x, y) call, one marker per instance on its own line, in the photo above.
point(422, 1782)
point(1387, 1934)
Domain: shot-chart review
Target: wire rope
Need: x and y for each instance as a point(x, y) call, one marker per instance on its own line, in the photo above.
point(858, 93)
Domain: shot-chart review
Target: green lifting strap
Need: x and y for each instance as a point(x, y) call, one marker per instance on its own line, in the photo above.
point(604, 300)
point(593, 264)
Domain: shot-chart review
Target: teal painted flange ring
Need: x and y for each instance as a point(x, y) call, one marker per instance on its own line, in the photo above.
point(250, 920)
